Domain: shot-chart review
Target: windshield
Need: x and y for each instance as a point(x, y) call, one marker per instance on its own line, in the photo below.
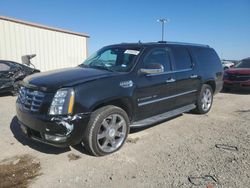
point(113, 59)
point(243, 64)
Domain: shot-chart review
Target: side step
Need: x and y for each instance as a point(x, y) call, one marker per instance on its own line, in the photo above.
point(160, 117)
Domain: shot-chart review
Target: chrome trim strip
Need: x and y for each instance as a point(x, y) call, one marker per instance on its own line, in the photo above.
point(169, 72)
point(165, 98)
point(183, 70)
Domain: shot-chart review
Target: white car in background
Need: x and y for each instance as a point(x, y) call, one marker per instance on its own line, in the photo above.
point(227, 64)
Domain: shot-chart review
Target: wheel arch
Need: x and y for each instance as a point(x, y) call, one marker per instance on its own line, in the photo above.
point(123, 103)
point(212, 84)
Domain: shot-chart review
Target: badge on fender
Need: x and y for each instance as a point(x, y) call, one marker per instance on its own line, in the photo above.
point(127, 84)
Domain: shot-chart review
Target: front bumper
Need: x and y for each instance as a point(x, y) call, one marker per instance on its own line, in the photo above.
point(237, 84)
point(59, 131)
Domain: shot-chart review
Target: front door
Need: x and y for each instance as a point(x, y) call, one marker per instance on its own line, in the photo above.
point(154, 91)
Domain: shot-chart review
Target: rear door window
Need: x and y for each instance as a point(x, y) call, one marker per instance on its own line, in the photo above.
point(182, 58)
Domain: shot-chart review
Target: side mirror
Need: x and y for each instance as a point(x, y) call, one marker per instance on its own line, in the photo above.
point(152, 68)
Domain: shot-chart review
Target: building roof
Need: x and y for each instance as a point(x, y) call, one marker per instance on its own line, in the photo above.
point(43, 26)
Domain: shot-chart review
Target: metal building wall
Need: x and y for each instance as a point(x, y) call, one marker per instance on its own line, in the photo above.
point(53, 49)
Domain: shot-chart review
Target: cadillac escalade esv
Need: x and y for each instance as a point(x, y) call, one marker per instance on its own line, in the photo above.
point(120, 86)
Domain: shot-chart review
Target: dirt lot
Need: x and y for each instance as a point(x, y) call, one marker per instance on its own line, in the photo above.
point(210, 150)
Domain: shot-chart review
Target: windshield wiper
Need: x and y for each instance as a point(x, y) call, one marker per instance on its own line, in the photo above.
point(101, 67)
point(97, 67)
point(84, 66)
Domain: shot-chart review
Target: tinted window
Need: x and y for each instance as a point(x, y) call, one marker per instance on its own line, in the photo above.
point(208, 58)
point(182, 58)
point(4, 67)
point(160, 56)
point(243, 64)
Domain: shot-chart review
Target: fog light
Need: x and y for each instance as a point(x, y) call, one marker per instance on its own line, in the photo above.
point(24, 129)
point(54, 138)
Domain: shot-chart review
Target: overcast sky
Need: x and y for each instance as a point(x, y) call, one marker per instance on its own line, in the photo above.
point(222, 24)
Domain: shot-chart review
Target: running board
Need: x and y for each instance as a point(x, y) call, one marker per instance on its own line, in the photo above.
point(164, 116)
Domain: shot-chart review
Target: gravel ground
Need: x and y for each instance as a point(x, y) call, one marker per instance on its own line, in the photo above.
point(210, 150)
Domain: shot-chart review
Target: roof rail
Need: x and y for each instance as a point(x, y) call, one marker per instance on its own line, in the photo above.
point(166, 42)
point(162, 41)
point(186, 43)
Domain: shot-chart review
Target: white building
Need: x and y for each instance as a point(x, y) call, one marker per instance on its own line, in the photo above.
point(54, 48)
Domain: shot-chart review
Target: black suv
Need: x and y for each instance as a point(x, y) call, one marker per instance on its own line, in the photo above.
point(120, 86)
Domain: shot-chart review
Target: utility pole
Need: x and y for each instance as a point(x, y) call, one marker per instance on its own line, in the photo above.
point(162, 21)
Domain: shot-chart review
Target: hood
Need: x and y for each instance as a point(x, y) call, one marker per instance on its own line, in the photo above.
point(238, 71)
point(53, 80)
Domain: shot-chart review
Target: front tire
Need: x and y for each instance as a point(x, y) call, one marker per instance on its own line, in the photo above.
point(107, 131)
point(204, 100)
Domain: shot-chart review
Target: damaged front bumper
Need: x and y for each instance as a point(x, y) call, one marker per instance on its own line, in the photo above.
point(59, 131)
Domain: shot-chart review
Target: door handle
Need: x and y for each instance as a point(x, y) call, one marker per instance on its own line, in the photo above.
point(170, 80)
point(194, 76)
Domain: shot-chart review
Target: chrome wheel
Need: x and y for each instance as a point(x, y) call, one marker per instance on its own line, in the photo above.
point(112, 133)
point(206, 99)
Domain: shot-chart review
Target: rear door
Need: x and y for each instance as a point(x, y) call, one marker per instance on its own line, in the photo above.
point(188, 80)
point(154, 91)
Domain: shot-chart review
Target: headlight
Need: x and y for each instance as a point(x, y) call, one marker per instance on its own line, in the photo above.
point(62, 102)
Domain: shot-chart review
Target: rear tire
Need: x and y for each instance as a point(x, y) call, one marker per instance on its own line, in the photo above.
point(107, 130)
point(204, 100)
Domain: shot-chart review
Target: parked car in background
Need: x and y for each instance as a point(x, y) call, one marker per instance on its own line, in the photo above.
point(227, 64)
point(11, 73)
point(121, 86)
point(239, 76)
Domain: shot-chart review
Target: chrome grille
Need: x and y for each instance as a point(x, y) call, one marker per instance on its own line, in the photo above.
point(31, 100)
